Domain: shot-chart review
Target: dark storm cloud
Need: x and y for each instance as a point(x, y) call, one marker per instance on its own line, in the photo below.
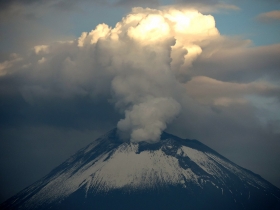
point(78, 113)
point(32, 97)
point(39, 131)
point(37, 136)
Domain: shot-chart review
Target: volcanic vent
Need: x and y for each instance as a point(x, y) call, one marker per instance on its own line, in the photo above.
point(173, 173)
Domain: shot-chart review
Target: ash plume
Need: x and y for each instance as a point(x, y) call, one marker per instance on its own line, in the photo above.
point(138, 65)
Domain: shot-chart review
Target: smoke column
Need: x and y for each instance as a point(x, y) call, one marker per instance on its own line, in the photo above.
point(139, 65)
point(152, 49)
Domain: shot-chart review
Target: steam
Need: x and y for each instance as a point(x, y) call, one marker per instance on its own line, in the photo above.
point(139, 64)
point(160, 46)
point(145, 121)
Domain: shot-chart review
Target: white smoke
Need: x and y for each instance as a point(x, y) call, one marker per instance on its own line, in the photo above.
point(140, 63)
point(160, 46)
point(146, 121)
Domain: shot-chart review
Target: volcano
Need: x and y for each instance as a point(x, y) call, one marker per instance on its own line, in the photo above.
point(173, 173)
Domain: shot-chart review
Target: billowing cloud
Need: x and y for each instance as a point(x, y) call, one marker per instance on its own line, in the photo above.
point(147, 66)
point(138, 64)
point(152, 61)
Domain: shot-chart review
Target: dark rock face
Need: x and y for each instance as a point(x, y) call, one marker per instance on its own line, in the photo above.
point(173, 173)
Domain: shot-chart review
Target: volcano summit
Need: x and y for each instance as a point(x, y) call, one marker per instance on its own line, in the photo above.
point(173, 173)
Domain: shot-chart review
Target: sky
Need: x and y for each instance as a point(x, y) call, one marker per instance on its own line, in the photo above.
point(70, 71)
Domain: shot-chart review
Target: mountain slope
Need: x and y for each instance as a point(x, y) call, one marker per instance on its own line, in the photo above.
point(171, 174)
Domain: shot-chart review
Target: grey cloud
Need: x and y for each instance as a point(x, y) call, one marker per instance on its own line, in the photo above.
point(9, 7)
point(142, 3)
point(236, 132)
point(27, 23)
point(96, 66)
point(209, 6)
point(34, 96)
point(224, 93)
point(6, 5)
point(77, 113)
point(112, 64)
point(238, 63)
point(269, 16)
point(210, 2)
